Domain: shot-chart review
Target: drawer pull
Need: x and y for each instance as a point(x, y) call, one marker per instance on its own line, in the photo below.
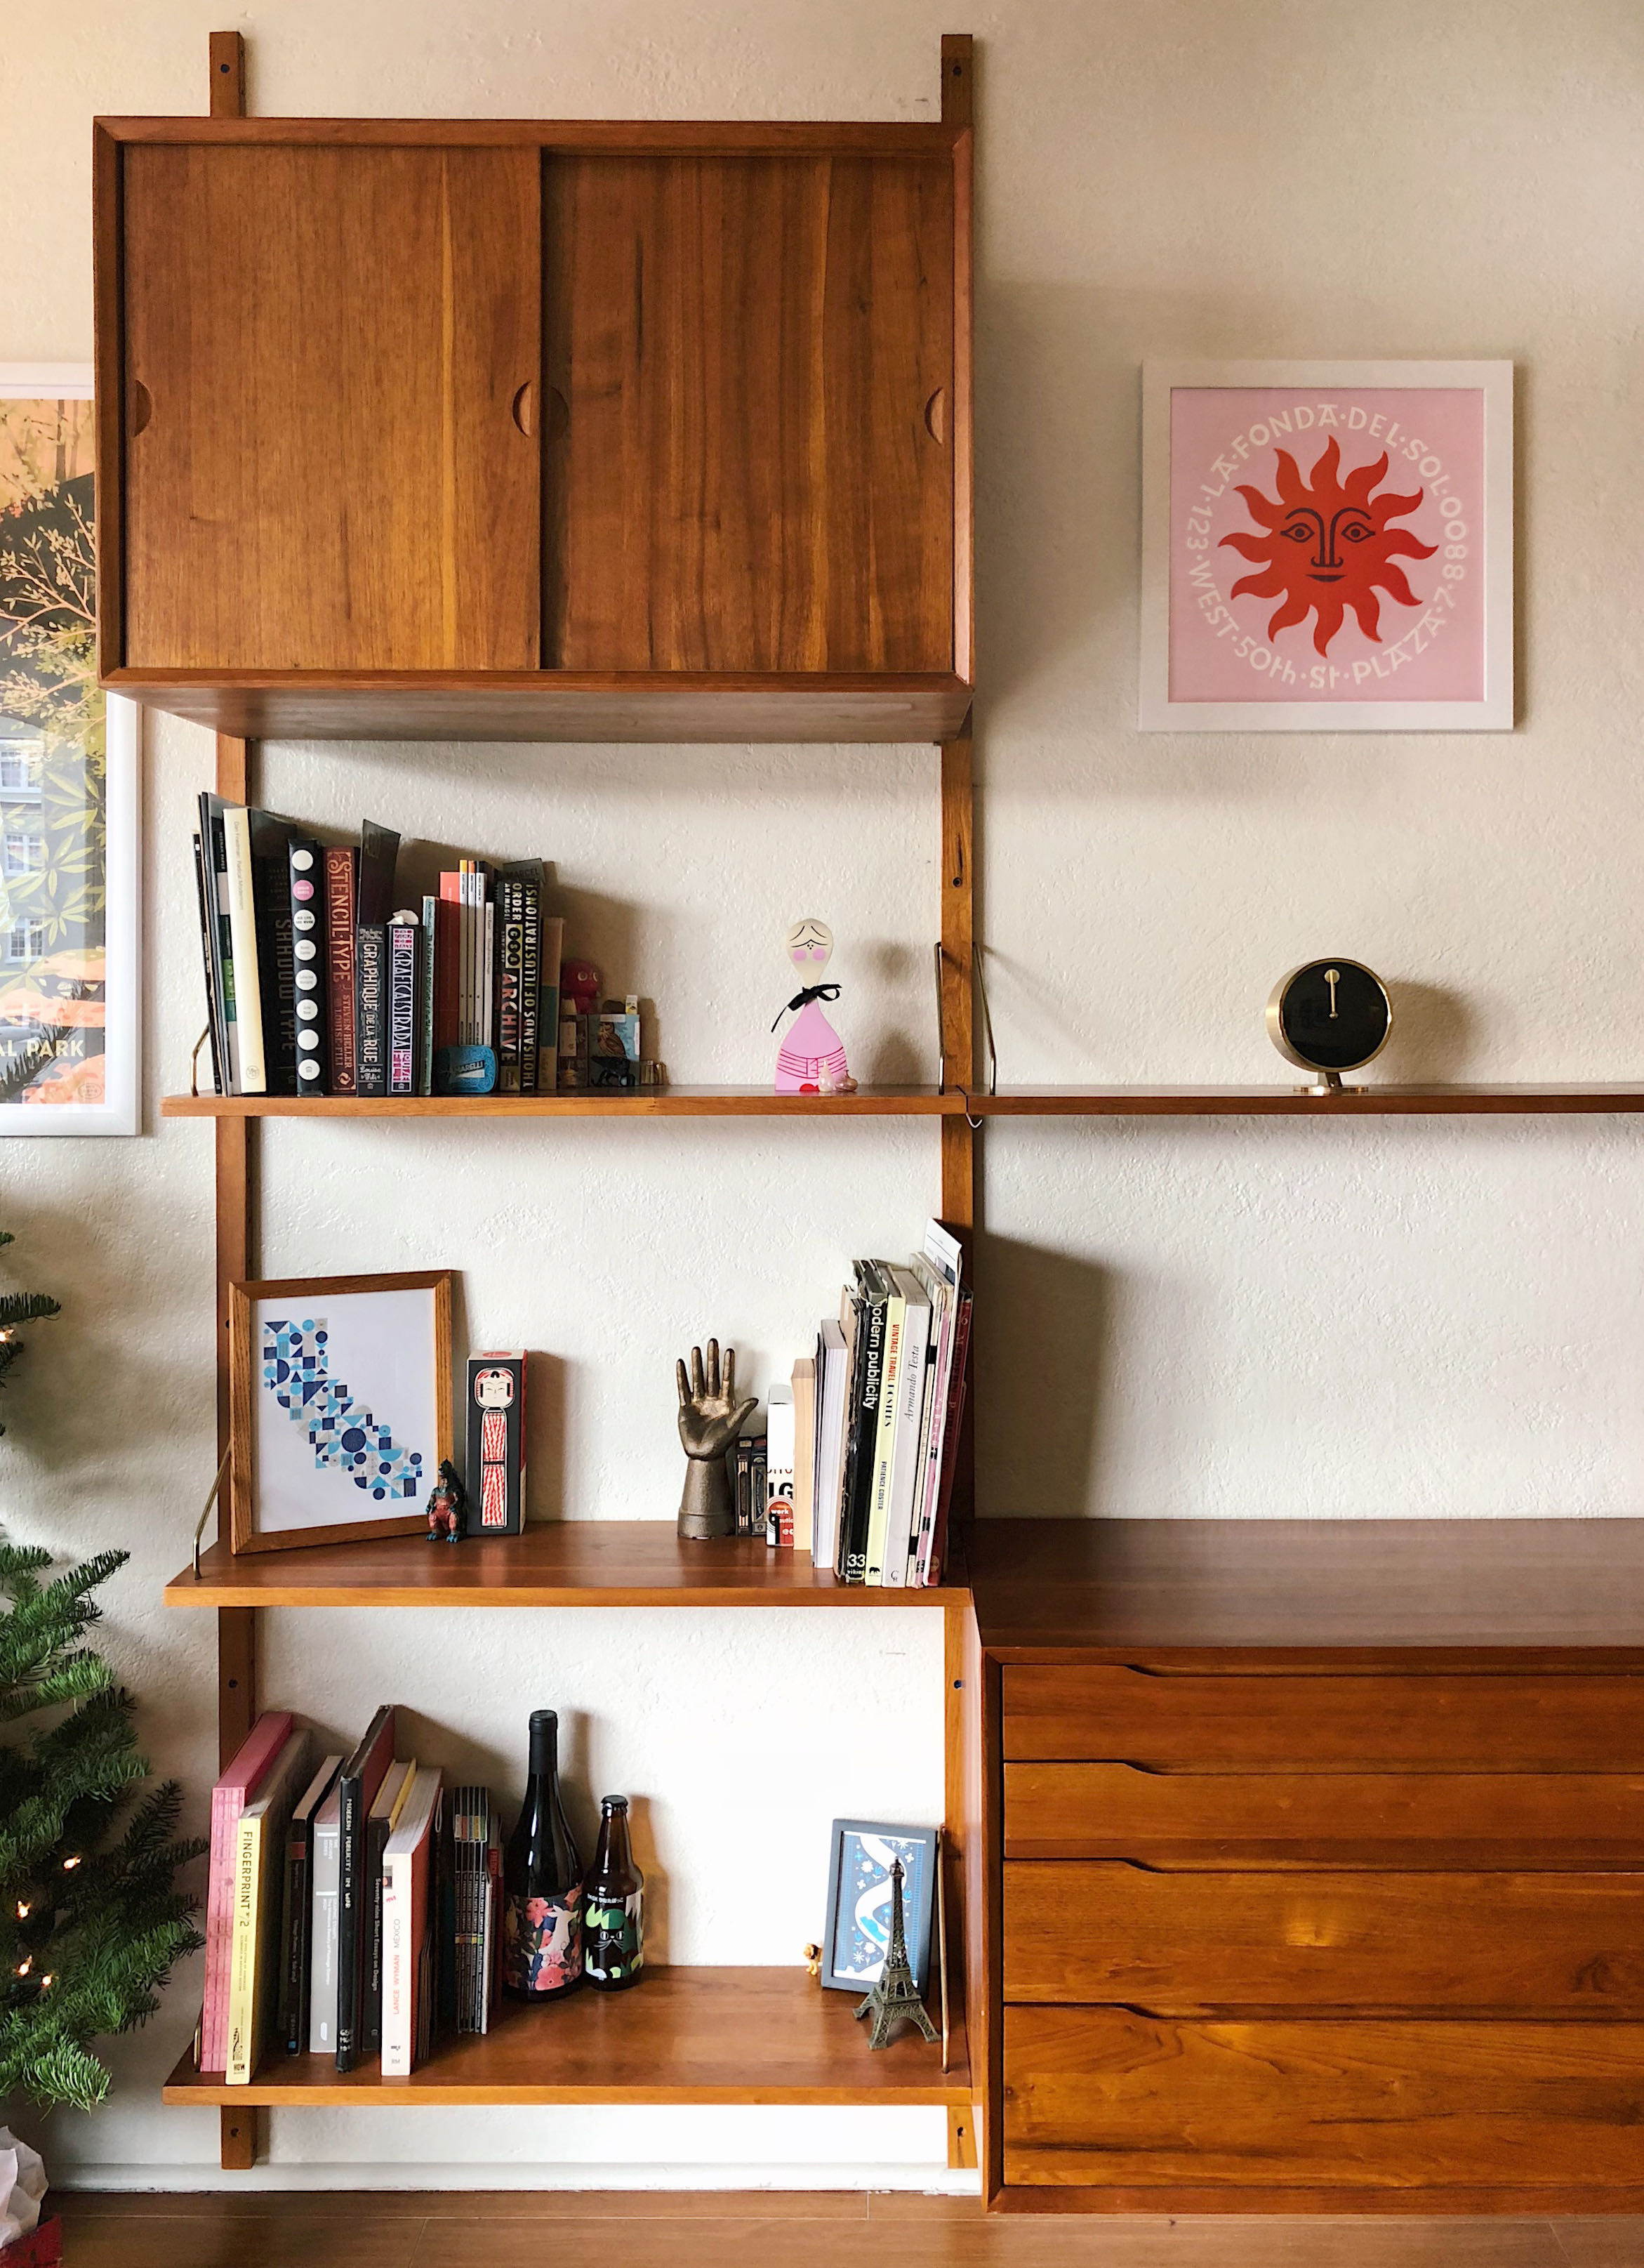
point(142, 407)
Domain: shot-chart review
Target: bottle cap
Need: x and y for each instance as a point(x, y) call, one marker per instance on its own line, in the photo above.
point(614, 1803)
point(544, 1720)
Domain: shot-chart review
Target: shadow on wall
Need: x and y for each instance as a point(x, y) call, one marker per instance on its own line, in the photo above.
point(1045, 1349)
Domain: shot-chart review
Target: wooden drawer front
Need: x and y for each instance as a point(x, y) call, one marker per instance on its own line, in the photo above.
point(1355, 1722)
point(1098, 2098)
point(1324, 1819)
point(1179, 1944)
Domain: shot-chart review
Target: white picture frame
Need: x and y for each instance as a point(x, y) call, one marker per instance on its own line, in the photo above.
point(1449, 667)
point(118, 1110)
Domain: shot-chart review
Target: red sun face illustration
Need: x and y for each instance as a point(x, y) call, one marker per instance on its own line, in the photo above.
point(1326, 546)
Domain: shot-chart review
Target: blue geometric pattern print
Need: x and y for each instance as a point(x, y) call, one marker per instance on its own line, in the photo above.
point(297, 1371)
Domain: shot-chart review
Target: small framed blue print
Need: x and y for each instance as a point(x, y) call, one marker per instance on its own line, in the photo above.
point(858, 1937)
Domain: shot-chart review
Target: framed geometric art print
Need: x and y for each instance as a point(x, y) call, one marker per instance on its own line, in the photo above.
point(69, 977)
point(1327, 546)
point(340, 1407)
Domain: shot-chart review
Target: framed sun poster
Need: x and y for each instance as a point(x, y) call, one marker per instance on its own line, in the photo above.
point(1327, 546)
point(70, 987)
point(340, 1407)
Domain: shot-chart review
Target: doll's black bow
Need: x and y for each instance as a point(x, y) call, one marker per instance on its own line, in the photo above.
point(803, 999)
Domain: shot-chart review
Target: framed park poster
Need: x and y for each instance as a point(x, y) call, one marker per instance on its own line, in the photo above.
point(69, 986)
point(1327, 546)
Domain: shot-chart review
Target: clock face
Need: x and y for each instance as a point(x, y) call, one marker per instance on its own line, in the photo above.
point(1331, 1015)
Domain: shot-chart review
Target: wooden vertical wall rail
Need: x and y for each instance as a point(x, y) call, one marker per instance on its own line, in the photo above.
point(239, 2136)
point(959, 1138)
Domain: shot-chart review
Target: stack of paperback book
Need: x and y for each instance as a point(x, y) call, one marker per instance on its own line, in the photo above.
point(343, 1915)
point(862, 1447)
point(318, 983)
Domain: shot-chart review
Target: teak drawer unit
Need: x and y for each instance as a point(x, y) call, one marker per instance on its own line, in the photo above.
point(617, 430)
point(1273, 1935)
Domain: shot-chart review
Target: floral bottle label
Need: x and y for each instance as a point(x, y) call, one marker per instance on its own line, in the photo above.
point(542, 1942)
point(614, 1934)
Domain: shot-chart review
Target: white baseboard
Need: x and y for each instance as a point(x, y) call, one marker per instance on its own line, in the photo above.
point(930, 2181)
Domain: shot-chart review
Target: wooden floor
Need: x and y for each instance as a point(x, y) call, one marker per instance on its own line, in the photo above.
point(717, 2229)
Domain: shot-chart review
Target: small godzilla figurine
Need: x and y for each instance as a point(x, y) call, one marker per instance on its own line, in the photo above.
point(446, 1503)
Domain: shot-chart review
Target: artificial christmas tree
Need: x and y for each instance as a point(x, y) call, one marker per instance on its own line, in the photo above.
point(91, 1921)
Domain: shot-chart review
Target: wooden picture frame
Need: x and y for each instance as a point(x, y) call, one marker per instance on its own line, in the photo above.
point(400, 1355)
point(860, 1851)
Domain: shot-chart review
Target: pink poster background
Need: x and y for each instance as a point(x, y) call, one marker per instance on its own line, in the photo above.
point(1221, 648)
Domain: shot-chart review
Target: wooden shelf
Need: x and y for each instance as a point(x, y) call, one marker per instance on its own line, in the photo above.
point(1293, 1101)
point(1504, 1101)
point(552, 704)
point(681, 2036)
point(569, 1562)
point(598, 1103)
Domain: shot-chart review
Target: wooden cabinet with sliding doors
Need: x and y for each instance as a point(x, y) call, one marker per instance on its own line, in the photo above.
point(537, 432)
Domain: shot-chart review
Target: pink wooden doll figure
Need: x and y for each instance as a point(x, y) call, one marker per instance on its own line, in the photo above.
point(811, 1057)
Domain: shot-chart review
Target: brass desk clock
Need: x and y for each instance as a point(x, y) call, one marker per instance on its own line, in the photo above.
point(1330, 1016)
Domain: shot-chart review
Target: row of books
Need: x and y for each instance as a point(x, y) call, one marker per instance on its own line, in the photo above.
point(317, 983)
point(861, 1445)
point(352, 1906)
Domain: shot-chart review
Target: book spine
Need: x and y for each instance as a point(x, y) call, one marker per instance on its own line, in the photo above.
point(227, 1805)
point(428, 974)
point(510, 965)
point(277, 969)
point(341, 880)
point(322, 1999)
point(371, 1997)
point(370, 1009)
point(242, 1987)
point(214, 1011)
point(308, 955)
point(951, 1448)
point(864, 1431)
point(884, 1441)
point(351, 1894)
point(529, 983)
point(294, 1938)
point(242, 921)
point(487, 950)
point(399, 1969)
point(402, 1007)
point(216, 869)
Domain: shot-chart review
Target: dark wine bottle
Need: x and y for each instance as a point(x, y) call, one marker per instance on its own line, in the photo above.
point(542, 1881)
point(613, 1911)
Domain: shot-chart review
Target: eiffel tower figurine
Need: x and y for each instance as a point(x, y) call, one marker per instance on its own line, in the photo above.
point(895, 1998)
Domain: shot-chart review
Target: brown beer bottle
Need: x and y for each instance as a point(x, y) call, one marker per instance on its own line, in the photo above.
point(614, 1910)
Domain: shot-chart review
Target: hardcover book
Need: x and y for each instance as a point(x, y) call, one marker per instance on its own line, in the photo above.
point(780, 1444)
point(383, 1818)
point(296, 1916)
point(342, 874)
point(276, 968)
point(873, 1297)
point(306, 888)
point(404, 933)
point(410, 1915)
point(254, 1964)
point(325, 1855)
point(242, 923)
point(370, 1009)
point(496, 1444)
point(208, 924)
point(357, 1784)
point(237, 1786)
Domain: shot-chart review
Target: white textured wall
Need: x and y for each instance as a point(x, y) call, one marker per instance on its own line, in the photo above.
point(1227, 1319)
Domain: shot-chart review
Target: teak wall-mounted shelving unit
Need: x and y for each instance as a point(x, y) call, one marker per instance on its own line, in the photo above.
point(591, 432)
point(594, 432)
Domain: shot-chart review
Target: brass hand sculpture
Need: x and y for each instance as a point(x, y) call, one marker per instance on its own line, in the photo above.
point(710, 1418)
